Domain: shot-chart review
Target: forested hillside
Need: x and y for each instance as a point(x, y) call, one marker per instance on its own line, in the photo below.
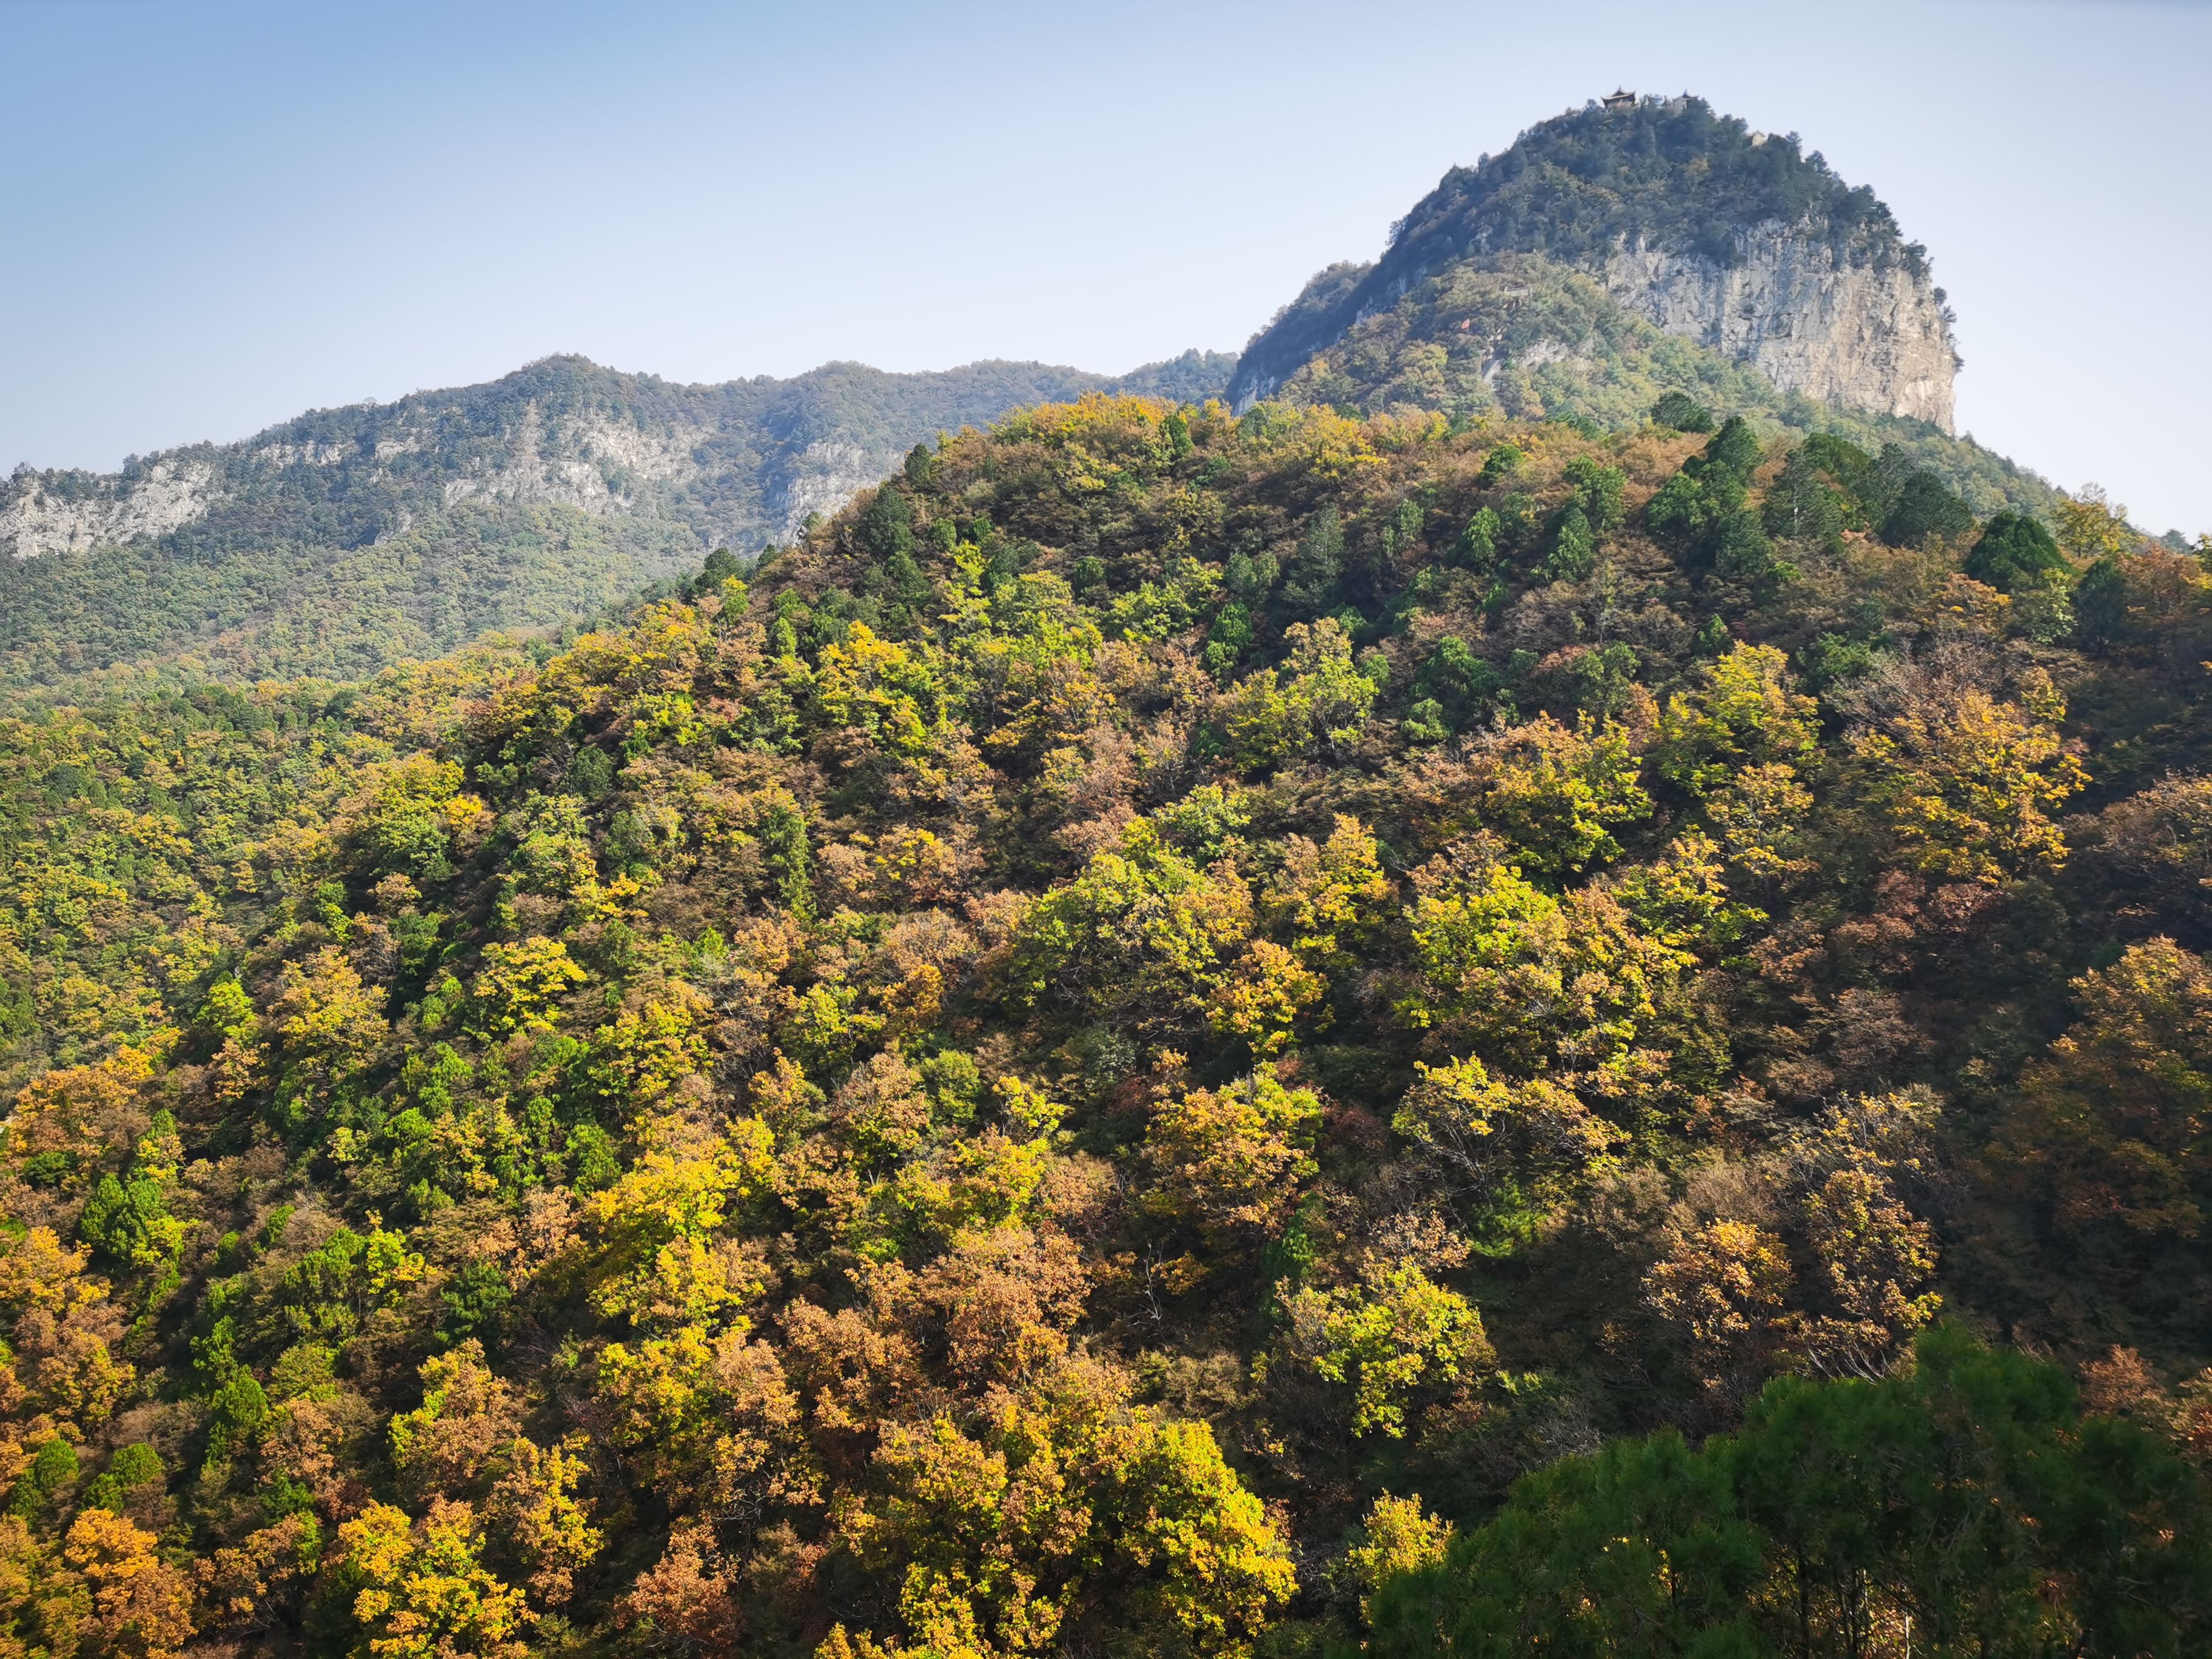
point(1101, 1053)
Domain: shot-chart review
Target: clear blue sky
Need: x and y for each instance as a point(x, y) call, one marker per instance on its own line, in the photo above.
point(217, 215)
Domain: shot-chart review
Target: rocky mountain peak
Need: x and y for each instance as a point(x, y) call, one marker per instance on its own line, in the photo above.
point(1735, 239)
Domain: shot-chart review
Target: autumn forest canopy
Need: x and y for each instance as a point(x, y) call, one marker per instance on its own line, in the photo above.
point(1176, 1034)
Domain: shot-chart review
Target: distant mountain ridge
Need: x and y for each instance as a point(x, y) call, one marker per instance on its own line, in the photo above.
point(1710, 231)
point(739, 460)
point(339, 541)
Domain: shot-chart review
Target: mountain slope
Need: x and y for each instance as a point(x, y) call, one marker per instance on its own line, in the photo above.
point(345, 538)
point(1717, 234)
point(1151, 989)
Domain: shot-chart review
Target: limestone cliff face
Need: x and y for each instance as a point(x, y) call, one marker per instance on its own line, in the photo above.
point(388, 466)
point(75, 512)
point(1858, 332)
point(587, 461)
point(821, 478)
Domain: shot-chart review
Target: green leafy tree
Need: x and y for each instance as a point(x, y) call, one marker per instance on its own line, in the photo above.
point(2014, 551)
point(1683, 412)
point(1965, 1494)
point(1924, 507)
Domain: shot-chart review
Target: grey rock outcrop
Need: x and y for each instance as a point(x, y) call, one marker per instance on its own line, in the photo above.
point(1862, 334)
point(46, 513)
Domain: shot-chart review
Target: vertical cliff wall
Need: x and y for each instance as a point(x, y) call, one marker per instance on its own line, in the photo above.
point(1858, 332)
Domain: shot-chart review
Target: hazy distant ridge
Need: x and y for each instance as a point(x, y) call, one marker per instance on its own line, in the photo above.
point(338, 541)
point(739, 461)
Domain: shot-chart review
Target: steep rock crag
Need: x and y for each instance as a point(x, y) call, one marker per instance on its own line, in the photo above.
point(1864, 334)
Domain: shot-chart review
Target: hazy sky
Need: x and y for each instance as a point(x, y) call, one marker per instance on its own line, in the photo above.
point(217, 215)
